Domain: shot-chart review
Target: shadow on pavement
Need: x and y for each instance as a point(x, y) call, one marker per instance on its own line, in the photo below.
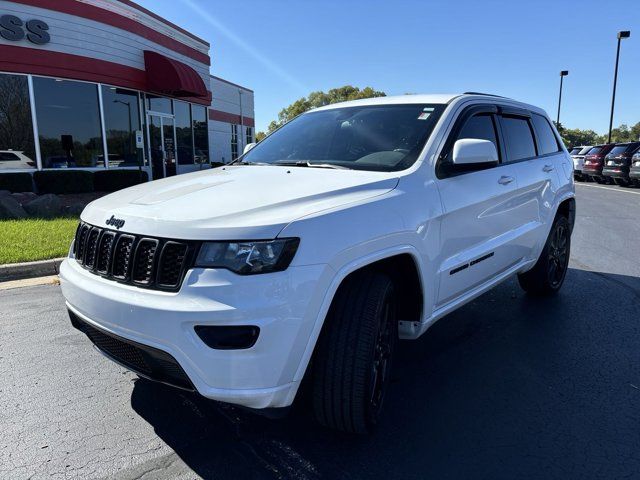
point(506, 387)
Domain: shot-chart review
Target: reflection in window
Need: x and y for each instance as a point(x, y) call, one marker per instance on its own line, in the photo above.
point(68, 123)
point(121, 119)
point(184, 135)
point(159, 104)
point(200, 134)
point(16, 129)
point(234, 142)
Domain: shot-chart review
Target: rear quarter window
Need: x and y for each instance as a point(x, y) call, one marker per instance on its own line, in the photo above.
point(547, 141)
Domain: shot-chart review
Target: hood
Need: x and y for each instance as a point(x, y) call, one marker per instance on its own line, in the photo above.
point(234, 202)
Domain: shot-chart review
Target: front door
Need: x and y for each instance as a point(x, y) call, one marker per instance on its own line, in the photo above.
point(478, 221)
point(162, 146)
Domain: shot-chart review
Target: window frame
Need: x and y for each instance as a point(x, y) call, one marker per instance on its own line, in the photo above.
point(445, 169)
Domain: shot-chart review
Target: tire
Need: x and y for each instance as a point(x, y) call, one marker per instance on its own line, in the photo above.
point(547, 275)
point(599, 180)
point(621, 182)
point(352, 363)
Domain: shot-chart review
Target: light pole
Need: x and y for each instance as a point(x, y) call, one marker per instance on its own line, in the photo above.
point(622, 34)
point(563, 73)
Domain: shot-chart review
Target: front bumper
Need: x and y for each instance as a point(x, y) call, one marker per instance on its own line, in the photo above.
point(284, 305)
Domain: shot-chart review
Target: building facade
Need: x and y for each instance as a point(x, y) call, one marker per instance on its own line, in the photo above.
point(107, 84)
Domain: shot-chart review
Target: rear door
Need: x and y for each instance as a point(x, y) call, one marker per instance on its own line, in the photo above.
point(539, 169)
point(477, 204)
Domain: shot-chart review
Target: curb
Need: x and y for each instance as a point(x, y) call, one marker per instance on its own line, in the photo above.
point(19, 271)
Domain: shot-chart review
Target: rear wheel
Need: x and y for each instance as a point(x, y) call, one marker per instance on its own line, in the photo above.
point(547, 275)
point(352, 363)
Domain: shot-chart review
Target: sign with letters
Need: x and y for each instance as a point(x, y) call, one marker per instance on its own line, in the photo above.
point(14, 29)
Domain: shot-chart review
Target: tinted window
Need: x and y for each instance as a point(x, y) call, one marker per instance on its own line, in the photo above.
point(68, 123)
point(480, 127)
point(618, 150)
point(16, 128)
point(371, 137)
point(122, 119)
point(547, 142)
point(184, 135)
point(585, 150)
point(575, 151)
point(594, 151)
point(518, 138)
point(200, 133)
point(159, 104)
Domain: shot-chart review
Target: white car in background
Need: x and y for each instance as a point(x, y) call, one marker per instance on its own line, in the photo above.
point(15, 159)
point(577, 155)
point(353, 225)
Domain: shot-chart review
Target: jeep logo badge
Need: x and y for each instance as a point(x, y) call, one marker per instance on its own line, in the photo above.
point(115, 222)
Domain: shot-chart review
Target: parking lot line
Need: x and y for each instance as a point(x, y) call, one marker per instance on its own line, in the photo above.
point(607, 188)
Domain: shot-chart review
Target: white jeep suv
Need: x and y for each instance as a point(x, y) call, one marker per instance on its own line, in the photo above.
point(351, 226)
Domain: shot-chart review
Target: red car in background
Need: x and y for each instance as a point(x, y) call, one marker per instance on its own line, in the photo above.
point(594, 161)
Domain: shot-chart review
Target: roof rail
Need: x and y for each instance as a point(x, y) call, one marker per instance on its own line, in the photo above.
point(481, 93)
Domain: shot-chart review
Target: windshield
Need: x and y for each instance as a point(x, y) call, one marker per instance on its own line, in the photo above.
point(575, 151)
point(375, 137)
point(618, 150)
point(584, 150)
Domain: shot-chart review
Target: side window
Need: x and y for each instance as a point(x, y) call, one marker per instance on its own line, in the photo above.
point(547, 142)
point(479, 126)
point(518, 138)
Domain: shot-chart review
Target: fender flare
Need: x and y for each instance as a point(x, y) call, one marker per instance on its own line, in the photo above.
point(338, 278)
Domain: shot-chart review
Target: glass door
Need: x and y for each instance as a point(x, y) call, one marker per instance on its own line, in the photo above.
point(162, 146)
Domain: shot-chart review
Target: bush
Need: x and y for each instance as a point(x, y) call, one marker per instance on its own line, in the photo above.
point(63, 181)
point(16, 182)
point(112, 180)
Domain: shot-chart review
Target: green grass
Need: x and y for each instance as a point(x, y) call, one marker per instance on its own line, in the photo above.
point(35, 239)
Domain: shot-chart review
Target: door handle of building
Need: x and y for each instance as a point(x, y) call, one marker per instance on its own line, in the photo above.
point(504, 180)
point(547, 168)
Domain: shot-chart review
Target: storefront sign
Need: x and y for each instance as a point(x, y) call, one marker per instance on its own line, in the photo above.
point(14, 30)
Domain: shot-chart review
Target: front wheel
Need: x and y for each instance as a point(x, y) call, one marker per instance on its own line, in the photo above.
point(547, 275)
point(352, 363)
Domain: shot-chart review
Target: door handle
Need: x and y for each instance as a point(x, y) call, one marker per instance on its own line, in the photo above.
point(547, 168)
point(504, 180)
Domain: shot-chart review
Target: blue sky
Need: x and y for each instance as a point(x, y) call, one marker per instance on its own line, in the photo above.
point(285, 49)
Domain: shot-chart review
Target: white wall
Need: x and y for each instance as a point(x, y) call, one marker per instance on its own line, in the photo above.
point(226, 98)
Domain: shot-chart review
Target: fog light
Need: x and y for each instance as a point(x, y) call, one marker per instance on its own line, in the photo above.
point(230, 337)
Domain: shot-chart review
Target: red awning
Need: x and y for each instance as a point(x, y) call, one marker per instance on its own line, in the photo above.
point(171, 77)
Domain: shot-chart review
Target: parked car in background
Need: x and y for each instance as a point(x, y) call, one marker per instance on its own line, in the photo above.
point(618, 163)
point(634, 171)
point(577, 155)
point(594, 161)
point(15, 159)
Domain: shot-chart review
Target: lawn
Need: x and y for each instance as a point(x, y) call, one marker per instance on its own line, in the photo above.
point(35, 239)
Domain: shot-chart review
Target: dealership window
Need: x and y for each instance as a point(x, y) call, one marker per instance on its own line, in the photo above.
point(184, 133)
point(249, 135)
point(69, 127)
point(122, 118)
point(159, 104)
point(17, 149)
point(234, 142)
point(200, 133)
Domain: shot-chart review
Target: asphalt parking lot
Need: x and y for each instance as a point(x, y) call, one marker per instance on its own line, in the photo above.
point(507, 387)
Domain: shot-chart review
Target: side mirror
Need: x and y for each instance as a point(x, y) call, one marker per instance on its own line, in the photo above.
point(248, 147)
point(474, 151)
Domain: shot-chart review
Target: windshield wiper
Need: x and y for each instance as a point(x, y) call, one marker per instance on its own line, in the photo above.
point(244, 162)
point(307, 163)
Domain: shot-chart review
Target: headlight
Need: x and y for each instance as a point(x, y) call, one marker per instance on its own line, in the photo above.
point(247, 258)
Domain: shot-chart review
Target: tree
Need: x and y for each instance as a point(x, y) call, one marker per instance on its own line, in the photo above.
point(319, 99)
point(260, 136)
